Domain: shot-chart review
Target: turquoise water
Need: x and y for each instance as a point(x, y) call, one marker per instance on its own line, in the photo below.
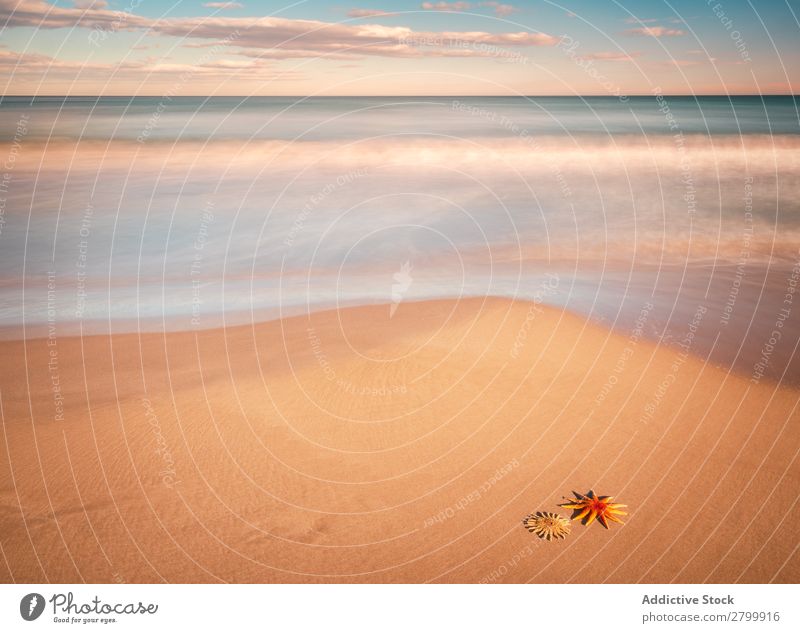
point(151, 213)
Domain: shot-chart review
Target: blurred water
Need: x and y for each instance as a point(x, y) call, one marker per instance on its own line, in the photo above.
point(125, 214)
point(342, 118)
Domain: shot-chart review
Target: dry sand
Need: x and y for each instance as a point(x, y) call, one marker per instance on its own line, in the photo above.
point(350, 446)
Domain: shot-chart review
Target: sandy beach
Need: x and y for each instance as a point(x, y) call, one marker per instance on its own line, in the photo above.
point(351, 445)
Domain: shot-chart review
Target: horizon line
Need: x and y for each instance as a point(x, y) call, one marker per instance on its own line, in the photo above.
point(418, 96)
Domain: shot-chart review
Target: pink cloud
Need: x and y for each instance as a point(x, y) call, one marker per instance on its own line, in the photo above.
point(501, 10)
point(611, 56)
point(277, 38)
point(42, 15)
point(223, 5)
point(655, 31)
point(26, 64)
point(368, 13)
point(635, 20)
point(446, 6)
point(327, 38)
point(90, 4)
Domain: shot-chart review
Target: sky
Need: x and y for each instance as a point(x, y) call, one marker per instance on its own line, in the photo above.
point(399, 47)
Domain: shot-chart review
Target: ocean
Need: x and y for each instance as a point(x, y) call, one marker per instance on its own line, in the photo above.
point(675, 219)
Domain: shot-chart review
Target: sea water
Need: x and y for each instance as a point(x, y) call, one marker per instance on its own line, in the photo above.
point(149, 213)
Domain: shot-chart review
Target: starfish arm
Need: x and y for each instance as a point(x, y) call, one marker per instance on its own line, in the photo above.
point(591, 518)
point(581, 515)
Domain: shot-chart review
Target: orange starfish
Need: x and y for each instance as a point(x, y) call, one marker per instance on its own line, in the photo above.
point(590, 507)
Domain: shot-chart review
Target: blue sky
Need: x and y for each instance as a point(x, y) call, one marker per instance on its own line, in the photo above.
point(399, 47)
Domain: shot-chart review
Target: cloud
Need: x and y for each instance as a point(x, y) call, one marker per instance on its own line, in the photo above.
point(277, 53)
point(419, 45)
point(223, 5)
point(280, 38)
point(369, 13)
point(676, 63)
point(655, 31)
point(18, 63)
point(611, 56)
point(446, 6)
point(14, 64)
point(90, 4)
point(635, 20)
point(326, 37)
point(42, 15)
point(501, 10)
